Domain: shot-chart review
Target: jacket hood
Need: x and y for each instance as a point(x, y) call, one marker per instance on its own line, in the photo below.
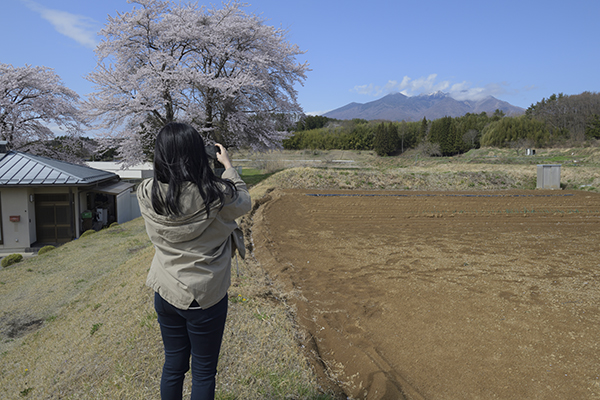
point(192, 221)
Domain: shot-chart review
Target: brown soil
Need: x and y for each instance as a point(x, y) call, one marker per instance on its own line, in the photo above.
point(443, 295)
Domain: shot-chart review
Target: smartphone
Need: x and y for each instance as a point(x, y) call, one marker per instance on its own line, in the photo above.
point(211, 151)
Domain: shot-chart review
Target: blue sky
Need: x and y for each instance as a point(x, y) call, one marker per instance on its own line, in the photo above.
point(517, 51)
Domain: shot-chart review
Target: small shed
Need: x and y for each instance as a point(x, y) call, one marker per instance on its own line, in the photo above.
point(548, 176)
point(46, 201)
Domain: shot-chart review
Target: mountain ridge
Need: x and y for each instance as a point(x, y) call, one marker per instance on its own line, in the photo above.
point(399, 107)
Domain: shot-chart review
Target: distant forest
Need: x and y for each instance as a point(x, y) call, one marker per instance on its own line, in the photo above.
point(559, 120)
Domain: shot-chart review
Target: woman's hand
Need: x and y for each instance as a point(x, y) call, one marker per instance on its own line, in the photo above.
point(222, 156)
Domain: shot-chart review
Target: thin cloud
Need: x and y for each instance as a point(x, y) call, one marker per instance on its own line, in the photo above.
point(408, 86)
point(313, 113)
point(77, 27)
point(365, 89)
point(428, 84)
point(463, 91)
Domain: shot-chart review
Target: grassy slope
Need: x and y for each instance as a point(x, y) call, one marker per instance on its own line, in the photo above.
point(78, 322)
point(99, 338)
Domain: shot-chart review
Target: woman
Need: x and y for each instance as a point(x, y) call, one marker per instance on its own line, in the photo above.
point(190, 218)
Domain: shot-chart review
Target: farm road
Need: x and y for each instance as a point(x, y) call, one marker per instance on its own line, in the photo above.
point(443, 295)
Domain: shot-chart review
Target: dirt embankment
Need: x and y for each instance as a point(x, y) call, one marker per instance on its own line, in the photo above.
point(443, 295)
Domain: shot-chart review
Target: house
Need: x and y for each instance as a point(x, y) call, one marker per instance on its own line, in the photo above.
point(46, 201)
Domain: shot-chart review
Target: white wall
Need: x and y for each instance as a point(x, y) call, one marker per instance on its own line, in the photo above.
point(16, 235)
point(141, 171)
point(123, 207)
point(135, 206)
point(128, 207)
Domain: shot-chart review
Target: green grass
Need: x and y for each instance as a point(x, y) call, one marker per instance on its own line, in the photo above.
point(253, 176)
point(557, 159)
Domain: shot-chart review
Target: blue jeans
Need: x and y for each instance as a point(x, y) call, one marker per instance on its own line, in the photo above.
point(190, 332)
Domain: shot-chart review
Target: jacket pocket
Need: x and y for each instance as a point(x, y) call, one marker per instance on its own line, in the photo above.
point(237, 237)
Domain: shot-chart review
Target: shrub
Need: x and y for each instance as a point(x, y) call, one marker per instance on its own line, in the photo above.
point(11, 259)
point(45, 250)
point(428, 149)
point(87, 233)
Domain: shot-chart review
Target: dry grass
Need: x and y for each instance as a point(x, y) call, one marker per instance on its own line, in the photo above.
point(97, 335)
point(78, 322)
point(482, 169)
point(280, 159)
point(403, 179)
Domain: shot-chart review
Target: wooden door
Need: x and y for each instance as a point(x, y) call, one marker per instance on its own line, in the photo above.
point(54, 217)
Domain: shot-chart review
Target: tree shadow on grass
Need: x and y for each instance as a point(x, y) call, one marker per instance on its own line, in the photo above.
point(255, 179)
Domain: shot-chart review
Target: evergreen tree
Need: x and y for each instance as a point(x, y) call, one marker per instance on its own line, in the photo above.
point(385, 139)
point(443, 131)
point(424, 130)
point(592, 130)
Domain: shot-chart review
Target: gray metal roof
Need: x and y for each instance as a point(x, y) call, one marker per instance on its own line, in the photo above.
point(24, 169)
point(115, 188)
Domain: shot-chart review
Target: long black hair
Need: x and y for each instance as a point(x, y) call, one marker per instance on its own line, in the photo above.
point(180, 157)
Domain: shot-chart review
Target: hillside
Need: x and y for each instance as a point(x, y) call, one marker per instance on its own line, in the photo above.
point(398, 107)
point(79, 323)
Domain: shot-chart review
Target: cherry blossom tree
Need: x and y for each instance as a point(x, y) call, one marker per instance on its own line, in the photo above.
point(32, 101)
point(220, 69)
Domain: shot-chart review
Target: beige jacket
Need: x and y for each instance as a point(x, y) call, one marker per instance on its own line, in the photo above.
point(192, 259)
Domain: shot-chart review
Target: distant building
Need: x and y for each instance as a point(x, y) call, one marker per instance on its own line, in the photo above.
point(136, 172)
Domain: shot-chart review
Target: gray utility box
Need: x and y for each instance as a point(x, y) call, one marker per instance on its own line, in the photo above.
point(548, 176)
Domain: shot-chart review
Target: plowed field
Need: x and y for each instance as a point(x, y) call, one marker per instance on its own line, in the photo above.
point(443, 295)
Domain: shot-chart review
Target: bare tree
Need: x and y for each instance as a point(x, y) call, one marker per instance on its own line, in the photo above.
point(567, 116)
point(470, 136)
point(520, 144)
point(429, 149)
